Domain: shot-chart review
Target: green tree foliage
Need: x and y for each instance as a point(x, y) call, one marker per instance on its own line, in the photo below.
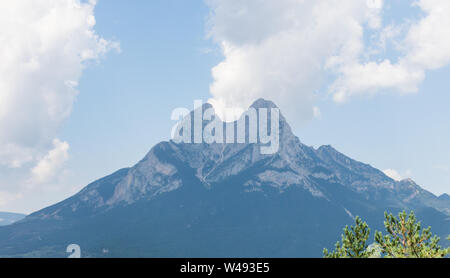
point(354, 242)
point(407, 239)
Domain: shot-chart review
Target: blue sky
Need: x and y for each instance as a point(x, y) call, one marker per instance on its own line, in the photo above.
point(130, 96)
point(160, 55)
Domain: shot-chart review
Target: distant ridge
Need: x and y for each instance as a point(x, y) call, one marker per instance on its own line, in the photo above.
point(7, 218)
point(444, 197)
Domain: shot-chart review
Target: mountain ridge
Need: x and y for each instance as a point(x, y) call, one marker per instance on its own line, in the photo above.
point(200, 181)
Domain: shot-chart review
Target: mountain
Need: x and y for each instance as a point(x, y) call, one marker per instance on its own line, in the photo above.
point(444, 197)
point(7, 218)
point(223, 200)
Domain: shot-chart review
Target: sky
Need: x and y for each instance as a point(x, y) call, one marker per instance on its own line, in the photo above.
point(88, 87)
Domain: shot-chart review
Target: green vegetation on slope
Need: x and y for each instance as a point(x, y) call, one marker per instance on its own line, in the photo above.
point(405, 238)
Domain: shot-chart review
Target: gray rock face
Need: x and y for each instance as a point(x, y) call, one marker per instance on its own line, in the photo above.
point(295, 164)
point(294, 187)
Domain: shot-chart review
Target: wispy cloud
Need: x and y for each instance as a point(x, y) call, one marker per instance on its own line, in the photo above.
point(51, 164)
point(393, 174)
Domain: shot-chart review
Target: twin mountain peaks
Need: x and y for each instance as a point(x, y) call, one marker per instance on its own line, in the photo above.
point(223, 200)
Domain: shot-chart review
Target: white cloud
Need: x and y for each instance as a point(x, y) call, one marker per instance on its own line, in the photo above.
point(370, 77)
point(44, 47)
point(49, 166)
point(7, 197)
point(393, 174)
point(14, 156)
point(284, 50)
point(428, 41)
point(278, 49)
point(426, 46)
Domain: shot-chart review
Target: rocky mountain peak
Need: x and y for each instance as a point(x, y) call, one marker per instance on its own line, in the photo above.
point(263, 103)
point(444, 197)
point(172, 165)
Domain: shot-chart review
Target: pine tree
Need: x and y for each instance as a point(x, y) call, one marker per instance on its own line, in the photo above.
point(406, 239)
point(354, 242)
